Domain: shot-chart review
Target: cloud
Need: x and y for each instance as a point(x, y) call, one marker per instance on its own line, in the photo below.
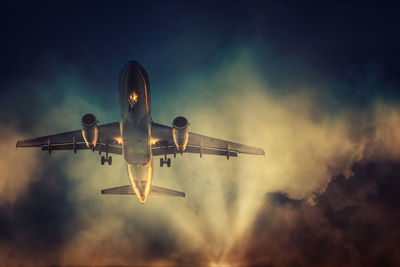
point(223, 196)
point(16, 170)
point(353, 223)
point(225, 217)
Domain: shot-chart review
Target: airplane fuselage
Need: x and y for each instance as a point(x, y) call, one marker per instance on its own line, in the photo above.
point(137, 138)
point(135, 126)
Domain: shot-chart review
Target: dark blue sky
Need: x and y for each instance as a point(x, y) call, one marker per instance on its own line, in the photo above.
point(351, 49)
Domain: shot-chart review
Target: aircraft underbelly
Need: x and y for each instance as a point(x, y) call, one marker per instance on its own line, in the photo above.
point(136, 153)
point(136, 144)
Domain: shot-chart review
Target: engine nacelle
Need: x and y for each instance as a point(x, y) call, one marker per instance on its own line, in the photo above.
point(180, 133)
point(90, 131)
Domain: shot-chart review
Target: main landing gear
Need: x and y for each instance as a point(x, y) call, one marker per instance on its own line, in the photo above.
point(106, 159)
point(165, 161)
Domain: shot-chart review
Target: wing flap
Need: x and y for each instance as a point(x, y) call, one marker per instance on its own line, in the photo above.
point(218, 152)
point(55, 139)
point(200, 143)
point(104, 148)
point(160, 151)
point(214, 143)
point(64, 141)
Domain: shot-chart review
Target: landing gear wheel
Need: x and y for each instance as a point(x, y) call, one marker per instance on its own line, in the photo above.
point(102, 160)
point(168, 163)
point(161, 162)
point(109, 160)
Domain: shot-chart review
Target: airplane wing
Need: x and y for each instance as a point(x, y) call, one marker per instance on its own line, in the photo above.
point(199, 144)
point(74, 140)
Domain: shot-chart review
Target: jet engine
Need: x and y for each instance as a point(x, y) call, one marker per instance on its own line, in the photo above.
point(90, 131)
point(180, 133)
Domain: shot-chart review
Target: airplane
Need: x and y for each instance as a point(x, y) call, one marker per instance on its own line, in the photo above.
point(137, 138)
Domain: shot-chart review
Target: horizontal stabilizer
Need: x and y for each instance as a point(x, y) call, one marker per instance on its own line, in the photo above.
point(154, 191)
point(160, 191)
point(120, 190)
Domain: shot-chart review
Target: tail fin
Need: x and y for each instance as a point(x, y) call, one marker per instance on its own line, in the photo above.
point(154, 191)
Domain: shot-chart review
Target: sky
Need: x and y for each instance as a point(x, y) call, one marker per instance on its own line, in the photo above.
point(315, 84)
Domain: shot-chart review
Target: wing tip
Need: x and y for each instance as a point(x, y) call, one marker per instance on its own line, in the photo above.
point(18, 144)
point(258, 151)
point(22, 143)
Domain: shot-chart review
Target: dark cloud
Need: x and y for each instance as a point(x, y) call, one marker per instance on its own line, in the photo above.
point(353, 223)
point(39, 221)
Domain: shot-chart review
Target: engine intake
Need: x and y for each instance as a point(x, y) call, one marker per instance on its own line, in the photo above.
point(180, 133)
point(90, 131)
